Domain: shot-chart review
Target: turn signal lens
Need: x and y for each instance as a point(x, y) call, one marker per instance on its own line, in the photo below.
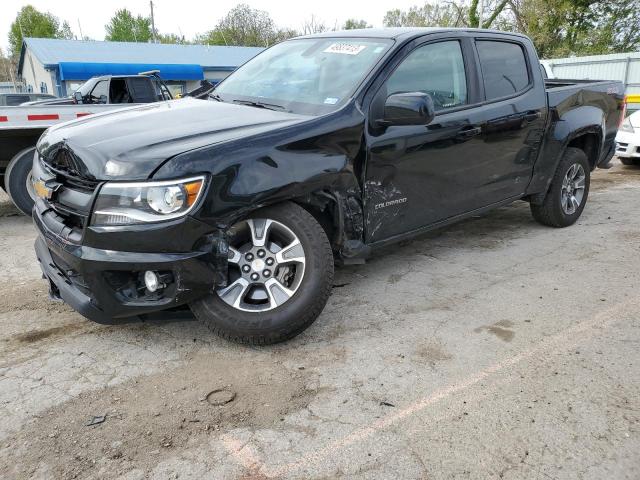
point(193, 191)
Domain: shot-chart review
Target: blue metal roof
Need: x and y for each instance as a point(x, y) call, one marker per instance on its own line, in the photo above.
point(168, 71)
point(51, 52)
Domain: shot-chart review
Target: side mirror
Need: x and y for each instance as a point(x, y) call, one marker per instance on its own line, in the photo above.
point(103, 99)
point(77, 96)
point(413, 108)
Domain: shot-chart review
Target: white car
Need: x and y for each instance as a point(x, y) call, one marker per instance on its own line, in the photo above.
point(628, 140)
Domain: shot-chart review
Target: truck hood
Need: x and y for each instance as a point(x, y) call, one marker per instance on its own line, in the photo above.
point(131, 143)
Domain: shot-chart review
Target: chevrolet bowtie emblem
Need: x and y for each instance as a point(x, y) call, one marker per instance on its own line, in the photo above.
point(42, 190)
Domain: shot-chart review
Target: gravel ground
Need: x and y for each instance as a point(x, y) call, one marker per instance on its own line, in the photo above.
point(496, 348)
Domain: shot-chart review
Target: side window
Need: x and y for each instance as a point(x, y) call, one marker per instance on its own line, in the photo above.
point(436, 69)
point(101, 88)
point(504, 68)
point(141, 89)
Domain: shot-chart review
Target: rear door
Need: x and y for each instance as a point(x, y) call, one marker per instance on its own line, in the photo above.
point(514, 112)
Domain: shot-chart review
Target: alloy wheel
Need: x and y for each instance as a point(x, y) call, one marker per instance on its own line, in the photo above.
point(573, 188)
point(266, 265)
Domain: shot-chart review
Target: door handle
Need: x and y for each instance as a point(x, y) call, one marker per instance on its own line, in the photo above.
point(468, 133)
point(532, 116)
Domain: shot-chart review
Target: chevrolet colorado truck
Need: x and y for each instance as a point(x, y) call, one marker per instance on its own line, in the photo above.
point(318, 151)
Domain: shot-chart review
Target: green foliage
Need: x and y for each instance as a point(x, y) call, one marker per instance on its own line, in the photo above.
point(353, 24)
point(124, 27)
point(32, 23)
point(247, 27)
point(428, 15)
point(557, 27)
point(172, 38)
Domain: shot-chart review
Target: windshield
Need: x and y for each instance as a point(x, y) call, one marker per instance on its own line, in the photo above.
point(310, 76)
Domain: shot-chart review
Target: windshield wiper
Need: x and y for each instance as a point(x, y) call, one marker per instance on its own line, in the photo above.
point(269, 106)
point(216, 97)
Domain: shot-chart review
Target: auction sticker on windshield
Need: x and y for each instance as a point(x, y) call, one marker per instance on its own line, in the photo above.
point(345, 48)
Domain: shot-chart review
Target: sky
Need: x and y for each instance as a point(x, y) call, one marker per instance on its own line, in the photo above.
point(195, 16)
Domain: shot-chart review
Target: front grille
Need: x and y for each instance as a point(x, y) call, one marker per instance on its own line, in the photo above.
point(621, 147)
point(74, 195)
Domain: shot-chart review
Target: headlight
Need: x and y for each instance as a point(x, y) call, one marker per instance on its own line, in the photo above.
point(626, 126)
point(145, 202)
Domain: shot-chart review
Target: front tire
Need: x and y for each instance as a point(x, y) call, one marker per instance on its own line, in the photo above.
point(280, 277)
point(18, 181)
point(567, 195)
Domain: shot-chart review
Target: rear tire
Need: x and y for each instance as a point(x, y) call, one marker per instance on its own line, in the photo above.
point(565, 201)
point(17, 181)
point(278, 318)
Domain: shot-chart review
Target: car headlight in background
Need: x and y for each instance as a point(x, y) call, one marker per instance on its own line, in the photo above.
point(626, 126)
point(145, 202)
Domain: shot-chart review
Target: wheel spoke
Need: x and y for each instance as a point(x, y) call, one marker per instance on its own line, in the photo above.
point(259, 230)
point(566, 201)
point(574, 202)
point(577, 171)
point(292, 253)
point(278, 293)
point(234, 255)
point(234, 293)
point(579, 183)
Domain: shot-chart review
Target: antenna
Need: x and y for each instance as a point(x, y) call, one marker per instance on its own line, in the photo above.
point(80, 28)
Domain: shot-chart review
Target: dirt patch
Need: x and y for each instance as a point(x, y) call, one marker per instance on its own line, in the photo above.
point(152, 415)
point(501, 329)
point(31, 295)
point(34, 336)
point(432, 353)
point(8, 209)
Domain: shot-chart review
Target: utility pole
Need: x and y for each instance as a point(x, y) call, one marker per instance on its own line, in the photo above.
point(80, 28)
point(153, 24)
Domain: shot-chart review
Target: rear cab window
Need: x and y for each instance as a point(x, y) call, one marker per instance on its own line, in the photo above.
point(503, 67)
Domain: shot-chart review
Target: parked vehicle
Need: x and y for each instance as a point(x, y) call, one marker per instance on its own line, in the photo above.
point(20, 127)
point(628, 140)
point(322, 147)
point(14, 99)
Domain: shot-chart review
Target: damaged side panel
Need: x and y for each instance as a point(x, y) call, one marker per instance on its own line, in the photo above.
point(317, 164)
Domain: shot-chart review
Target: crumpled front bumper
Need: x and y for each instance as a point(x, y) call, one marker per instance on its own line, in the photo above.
point(106, 285)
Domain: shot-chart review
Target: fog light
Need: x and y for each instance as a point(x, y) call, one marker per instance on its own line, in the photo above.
point(152, 281)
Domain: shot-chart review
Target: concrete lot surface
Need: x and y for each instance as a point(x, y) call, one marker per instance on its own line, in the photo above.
point(493, 349)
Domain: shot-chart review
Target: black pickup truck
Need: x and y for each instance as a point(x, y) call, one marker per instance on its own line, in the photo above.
point(320, 149)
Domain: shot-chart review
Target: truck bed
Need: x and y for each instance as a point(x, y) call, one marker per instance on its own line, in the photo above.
point(559, 90)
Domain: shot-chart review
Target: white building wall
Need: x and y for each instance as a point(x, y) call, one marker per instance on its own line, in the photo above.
point(34, 74)
point(624, 67)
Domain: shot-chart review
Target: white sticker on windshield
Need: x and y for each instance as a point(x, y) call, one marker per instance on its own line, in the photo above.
point(345, 48)
point(331, 100)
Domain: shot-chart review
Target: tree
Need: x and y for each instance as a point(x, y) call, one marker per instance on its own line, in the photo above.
point(314, 25)
point(428, 15)
point(6, 68)
point(172, 38)
point(32, 23)
point(353, 24)
point(557, 27)
point(124, 27)
point(245, 26)
point(561, 28)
